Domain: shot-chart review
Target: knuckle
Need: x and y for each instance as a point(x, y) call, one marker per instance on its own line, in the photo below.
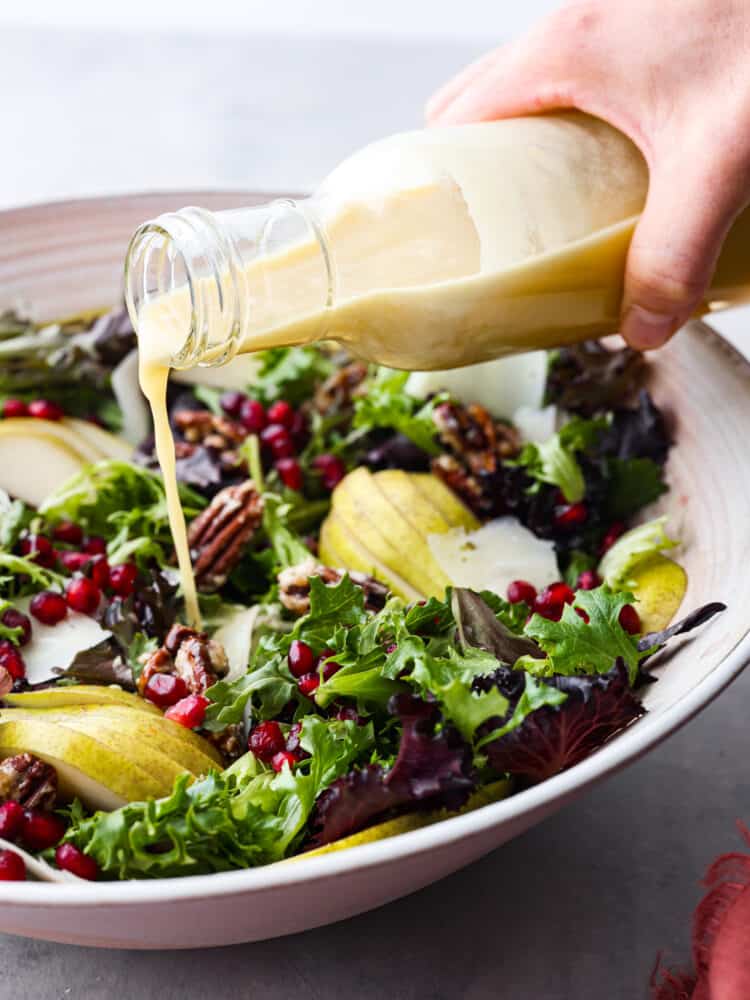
point(664, 278)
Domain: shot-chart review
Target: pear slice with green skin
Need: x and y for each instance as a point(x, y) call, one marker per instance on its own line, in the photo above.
point(658, 585)
point(341, 549)
point(80, 694)
point(413, 821)
point(106, 444)
point(108, 726)
point(86, 768)
point(455, 513)
point(33, 465)
point(192, 752)
point(381, 528)
point(413, 506)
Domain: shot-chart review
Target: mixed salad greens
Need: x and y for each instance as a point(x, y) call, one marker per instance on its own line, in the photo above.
point(414, 602)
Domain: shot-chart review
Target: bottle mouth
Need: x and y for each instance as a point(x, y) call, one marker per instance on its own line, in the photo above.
point(181, 290)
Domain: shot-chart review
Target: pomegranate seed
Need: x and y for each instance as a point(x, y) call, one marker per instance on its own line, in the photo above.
point(122, 578)
point(190, 712)
point(588, 580)
point(231, 403)
point(15, 408)
point(293, 737)
point(165, 689)
point(68, 532)
point(11, 818)
point(70, 859)
point(571, 515)
point(99, 572)
point(331, 469)
point(557, 593)
point(11, 660)
point(282, 413)
point(83, 595)
point(253, 416)
point(266, 740)
point(38, 549)
point(582, 614)
point(17, 619)
point(548, 609)
point(521, 591)
point(283, 757)
point(308, 683)
point(44, 409)
point(630, 619)
point(300, 658)
point(74, 561)
point(298, 429)
point(95, 545)
point(276, 437)
point(12, 868)
point(41, 830)
point(391, 648)
point(348, 714)
point(329, 669)
point(290, 473)
point(48, 607)
point(613, 533)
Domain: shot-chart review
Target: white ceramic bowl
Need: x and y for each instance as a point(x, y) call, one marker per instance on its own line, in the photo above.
point(62, 258)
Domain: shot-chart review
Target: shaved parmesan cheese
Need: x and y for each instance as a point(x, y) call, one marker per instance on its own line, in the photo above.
point(535, 425)
point(236, 636)
point(56, 645)
point(493, 556)
point(500, 386)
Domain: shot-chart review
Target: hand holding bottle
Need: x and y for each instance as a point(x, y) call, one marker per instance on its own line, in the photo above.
point(673, 75)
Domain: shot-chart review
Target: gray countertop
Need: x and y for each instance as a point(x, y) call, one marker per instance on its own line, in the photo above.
point(578, 908)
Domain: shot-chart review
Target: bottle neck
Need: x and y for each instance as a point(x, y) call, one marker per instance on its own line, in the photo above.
point(201, 286)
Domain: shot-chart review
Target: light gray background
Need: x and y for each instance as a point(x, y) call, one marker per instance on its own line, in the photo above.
point(119, 100)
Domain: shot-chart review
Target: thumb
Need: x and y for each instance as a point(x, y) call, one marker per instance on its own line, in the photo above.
point(674, 250)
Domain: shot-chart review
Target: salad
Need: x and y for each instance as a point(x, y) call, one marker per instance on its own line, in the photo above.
point(420, 594)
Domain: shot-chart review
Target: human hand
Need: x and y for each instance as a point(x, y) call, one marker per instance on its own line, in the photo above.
point(674, 76)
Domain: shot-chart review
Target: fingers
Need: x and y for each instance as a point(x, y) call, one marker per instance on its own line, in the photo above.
point(674, 250)
point(538, 72)
point(447, 94)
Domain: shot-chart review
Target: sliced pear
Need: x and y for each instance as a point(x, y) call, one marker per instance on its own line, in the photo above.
point(390, 537)
point(424, 516)
point(182, 746)
point(86, 768)
point(33, 464)
point(80, 694)
point(105, 444)
point(32, 427)
point(659, 585)
point(342, 549)
point(413, 821)
point(110, 726)
point(435, 490)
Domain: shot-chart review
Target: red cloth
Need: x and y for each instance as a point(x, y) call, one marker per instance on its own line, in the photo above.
point(721, 937)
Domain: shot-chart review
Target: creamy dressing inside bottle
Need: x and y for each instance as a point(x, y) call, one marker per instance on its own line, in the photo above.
point(433, 249)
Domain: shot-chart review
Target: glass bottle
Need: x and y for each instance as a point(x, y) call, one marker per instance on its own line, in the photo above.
point(430, 249)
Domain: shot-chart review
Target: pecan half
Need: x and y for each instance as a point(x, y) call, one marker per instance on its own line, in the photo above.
point(29, 781)
point(188, 654)
point(219, 534)
point(476, 445)
point(294, 585)
point(229, 742)
point(209, 429)
point(339, 389)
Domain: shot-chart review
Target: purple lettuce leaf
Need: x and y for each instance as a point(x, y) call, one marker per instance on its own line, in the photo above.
point(433, 769)
point(554, 738)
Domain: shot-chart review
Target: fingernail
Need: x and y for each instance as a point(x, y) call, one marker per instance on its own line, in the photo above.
point(646, 330)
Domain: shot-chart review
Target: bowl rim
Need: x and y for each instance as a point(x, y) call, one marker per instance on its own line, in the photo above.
point(625, 748)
